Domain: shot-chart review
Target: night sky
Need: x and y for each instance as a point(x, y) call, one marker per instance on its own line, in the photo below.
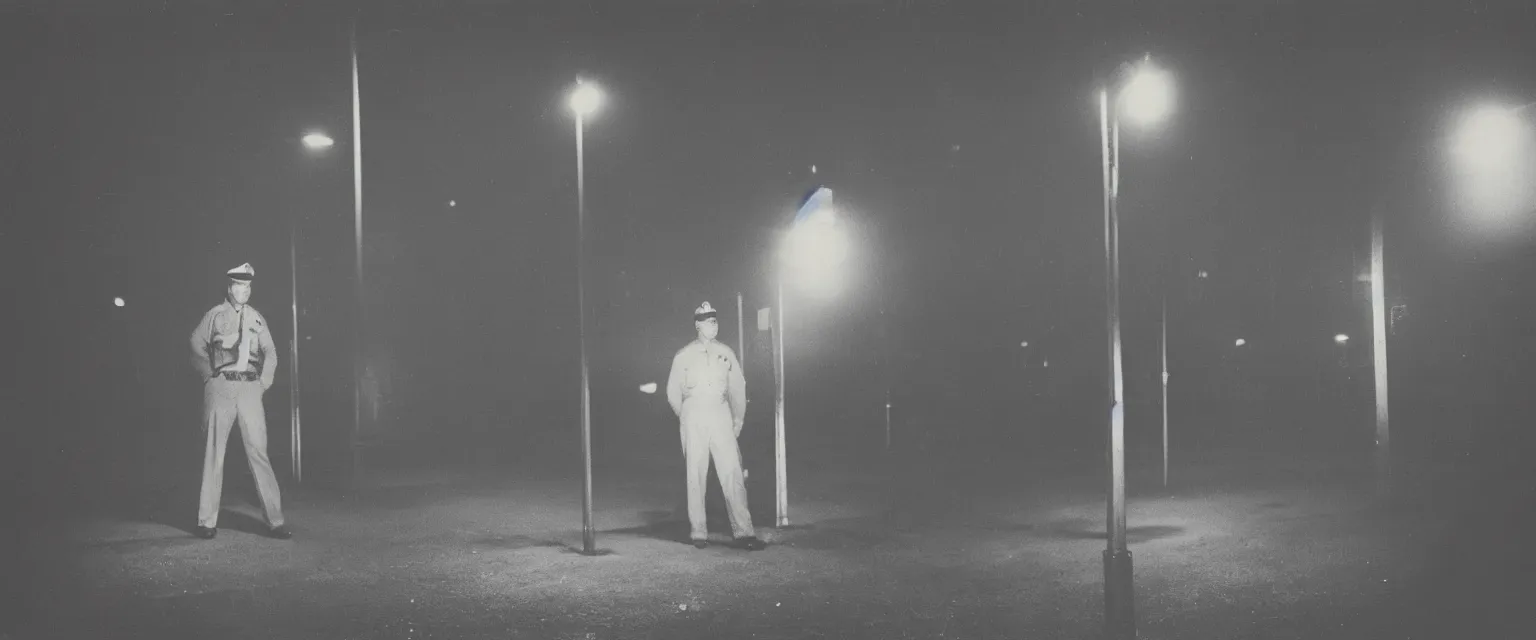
point(146, 150)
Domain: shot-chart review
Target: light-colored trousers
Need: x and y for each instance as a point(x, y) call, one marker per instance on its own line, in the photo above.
point(223, 402)
point(707, 431)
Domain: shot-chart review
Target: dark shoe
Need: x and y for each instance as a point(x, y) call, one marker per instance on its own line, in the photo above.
point(206, 533)
point(280, 532)
point(701, 544)
point(751, 543)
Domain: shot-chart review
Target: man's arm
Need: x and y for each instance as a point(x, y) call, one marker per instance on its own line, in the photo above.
point(268, 356)
point(202, 339)
point(675, 384)
point(736, 391)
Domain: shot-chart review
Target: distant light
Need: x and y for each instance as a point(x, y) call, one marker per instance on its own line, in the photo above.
point(1241, 342)
point(1204, 274)
point(117, 302)
point(1341, 338)
point(648, 388)
point(813, 168)
point(586, 98)
point(318, 141)
point(453, 203)
point(1024, 343)
point(1148, 97)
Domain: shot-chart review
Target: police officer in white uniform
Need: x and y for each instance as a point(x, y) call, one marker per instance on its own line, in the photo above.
point(233, 350)
point(708, 393)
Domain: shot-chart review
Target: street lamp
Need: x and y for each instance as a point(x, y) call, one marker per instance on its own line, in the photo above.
point(1144, 93)
point(813, 253)
point(316, 143)
point(584, 100)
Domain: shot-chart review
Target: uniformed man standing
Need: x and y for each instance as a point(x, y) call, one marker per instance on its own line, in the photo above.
point(708, 393)
point(233, 350)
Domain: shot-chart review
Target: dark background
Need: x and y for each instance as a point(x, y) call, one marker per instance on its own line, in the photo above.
point(150, 147)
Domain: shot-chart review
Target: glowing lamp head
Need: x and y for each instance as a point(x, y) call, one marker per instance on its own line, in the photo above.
point(585, 99)
point(318, 142)
point(816, 250)
point(1341, 339)
point(1147, 97)
point(1490, 136)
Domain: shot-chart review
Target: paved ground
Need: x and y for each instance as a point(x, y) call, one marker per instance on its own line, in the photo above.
point(1242, 547)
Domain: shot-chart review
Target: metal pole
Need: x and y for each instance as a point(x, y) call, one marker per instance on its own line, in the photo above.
point(781, 483)
point(1383, 452)
point(1119, 619)
point(741, 333)
point(1164, 347)
point(357, 213)
point(295, 433)
point(887, 419)
point(588, 534)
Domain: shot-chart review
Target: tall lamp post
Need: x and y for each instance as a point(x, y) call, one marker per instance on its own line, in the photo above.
point(316, 143)
point(1144, 93)
point(585, 98)
point(813, 251)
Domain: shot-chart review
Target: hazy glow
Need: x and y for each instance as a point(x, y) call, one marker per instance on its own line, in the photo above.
point(117, 302)
point(586, 99)
point(815, 251)
point(318, 141)
point(1341, 338)
point(1490, 137)
point(1240, 342)
point(1495, 159)
point(1148, 97)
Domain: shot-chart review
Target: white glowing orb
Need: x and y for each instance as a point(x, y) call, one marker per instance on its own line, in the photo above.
point(318, 141)
point(1024, 343)
point(1148, 97)
point(1490, 137)
point(648, 388)
point(815, 251)
point(1341, 338)
point(117, 302)
point(1240, 342)
point(586, 99)
point(453, 203)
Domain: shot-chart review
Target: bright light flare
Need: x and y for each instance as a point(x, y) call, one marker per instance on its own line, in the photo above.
point(1341, 339)
point(318, 141)
point(117, 302)
point(815, 251)
point(1491, 137)
point(1240, 342)
point(585, 99)
point(648, 388)
point(1147, 97)
point(1494, 149)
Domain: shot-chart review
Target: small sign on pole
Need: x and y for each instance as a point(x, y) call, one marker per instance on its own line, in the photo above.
point(764, 319)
